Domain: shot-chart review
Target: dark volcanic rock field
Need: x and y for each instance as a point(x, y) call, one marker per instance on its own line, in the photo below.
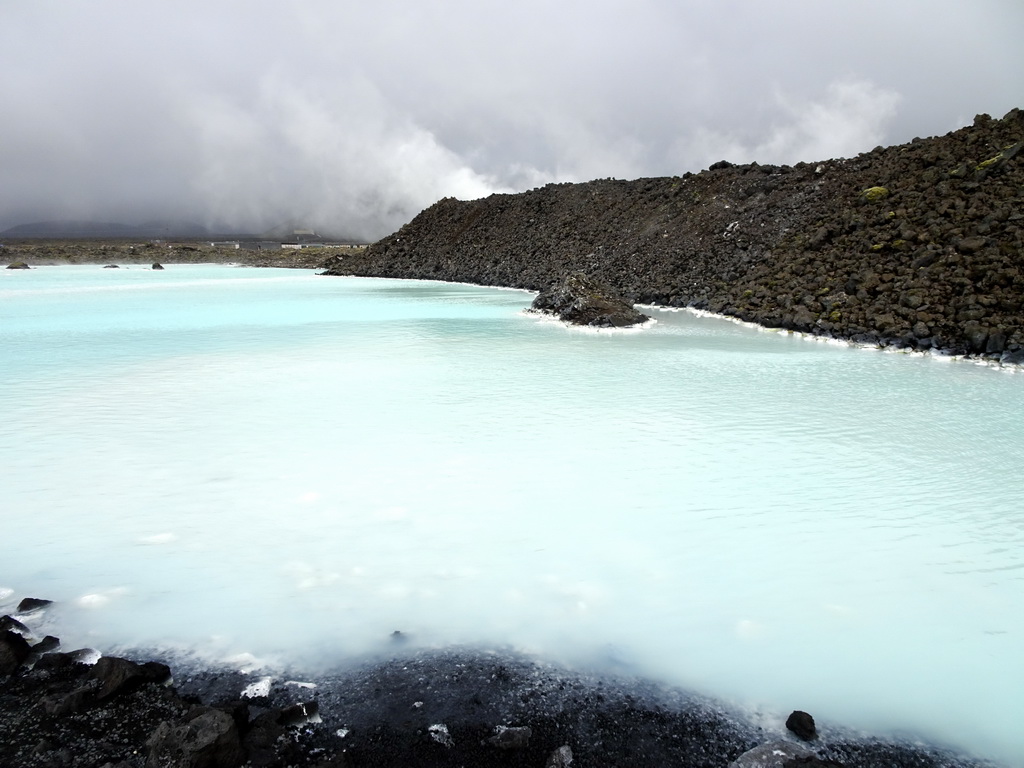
point(918, 246)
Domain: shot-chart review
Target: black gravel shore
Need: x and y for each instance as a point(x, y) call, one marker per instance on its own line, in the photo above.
point(451, 707)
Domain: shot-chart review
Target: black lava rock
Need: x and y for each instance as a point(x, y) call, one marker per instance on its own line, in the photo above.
point(802, 724)
point(11, 623)
point(14, 649)
point(32, 604)
point(117, 676)
point(206, 738)
point(582, 300)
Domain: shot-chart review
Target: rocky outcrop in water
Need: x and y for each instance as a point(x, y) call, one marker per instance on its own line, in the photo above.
point(916, 246)
point(581, 300)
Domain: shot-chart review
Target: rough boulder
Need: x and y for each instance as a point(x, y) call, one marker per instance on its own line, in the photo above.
point(582, 300)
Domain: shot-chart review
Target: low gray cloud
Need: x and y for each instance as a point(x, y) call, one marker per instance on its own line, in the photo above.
point(352, 118)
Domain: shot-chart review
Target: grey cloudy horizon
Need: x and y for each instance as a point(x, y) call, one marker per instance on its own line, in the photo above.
point(350, 118)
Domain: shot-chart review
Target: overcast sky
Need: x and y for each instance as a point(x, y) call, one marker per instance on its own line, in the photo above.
point(352, 117)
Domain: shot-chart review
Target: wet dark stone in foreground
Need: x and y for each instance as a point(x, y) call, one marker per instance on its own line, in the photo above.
point(802, 724)
point(32, 604)
point(14, 649)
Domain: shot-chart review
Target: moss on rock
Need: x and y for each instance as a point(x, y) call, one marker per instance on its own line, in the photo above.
point(874, 194)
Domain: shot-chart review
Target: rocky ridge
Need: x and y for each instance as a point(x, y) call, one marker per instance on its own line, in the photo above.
point(917, 246)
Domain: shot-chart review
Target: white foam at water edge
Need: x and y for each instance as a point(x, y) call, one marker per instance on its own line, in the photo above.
point(88, 656)
point(5, 593)
point(548, 318)
point(259, 689)
point(940, 356)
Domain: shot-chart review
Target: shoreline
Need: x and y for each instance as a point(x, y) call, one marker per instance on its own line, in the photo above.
point(428, 707)
point(353, 262)
point(915, 246)
point(936, 355)
point(317, 263)
point(1006, 361)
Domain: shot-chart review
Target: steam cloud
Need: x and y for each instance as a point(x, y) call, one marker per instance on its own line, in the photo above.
point(247, 115)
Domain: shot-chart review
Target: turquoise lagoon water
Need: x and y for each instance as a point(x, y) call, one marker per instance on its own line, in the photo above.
point(266, 463)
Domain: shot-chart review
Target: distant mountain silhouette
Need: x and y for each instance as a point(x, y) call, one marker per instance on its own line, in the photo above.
point(71, 229)
point(163, 230)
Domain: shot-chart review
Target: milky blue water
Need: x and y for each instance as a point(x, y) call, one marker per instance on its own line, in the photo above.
point(267, 462)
